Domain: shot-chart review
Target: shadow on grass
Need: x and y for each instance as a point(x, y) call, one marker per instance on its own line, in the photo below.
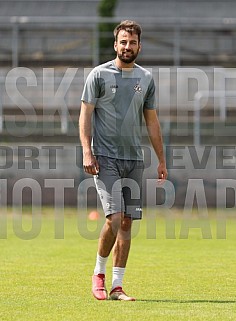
point(186, 301)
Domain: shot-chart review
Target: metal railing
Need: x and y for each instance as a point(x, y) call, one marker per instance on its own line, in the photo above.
point(170, 41)
point(222, 106)
point(25, 92)
point(45, 100)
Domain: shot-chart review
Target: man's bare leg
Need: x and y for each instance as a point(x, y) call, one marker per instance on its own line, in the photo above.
point(120, 256)
point(122, 244)
point(116, 234)
point(106, 242)
point(109, 234)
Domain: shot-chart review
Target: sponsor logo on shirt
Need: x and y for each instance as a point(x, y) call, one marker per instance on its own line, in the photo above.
point(137, 88)
point(113, 88)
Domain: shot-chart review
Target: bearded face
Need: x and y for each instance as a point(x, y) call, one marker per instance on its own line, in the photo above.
point(127, 46)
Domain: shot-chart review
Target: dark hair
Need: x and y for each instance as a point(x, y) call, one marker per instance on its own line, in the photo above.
point(129, 26)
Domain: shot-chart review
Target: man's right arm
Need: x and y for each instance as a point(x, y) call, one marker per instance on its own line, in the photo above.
point(89, 161)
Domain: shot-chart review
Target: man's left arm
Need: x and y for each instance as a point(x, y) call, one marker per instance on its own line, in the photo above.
point(154, 132)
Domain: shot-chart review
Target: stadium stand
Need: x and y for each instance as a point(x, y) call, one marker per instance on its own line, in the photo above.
point(52, 8)
point(63, 32)
point(125, 8)
point(176, 8)
point(36, 34)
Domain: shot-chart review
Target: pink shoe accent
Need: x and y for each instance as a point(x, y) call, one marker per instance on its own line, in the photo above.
point(98, 289)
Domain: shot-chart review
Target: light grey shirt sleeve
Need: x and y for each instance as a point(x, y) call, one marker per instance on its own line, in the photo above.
point(91, 91)
point(150, 99)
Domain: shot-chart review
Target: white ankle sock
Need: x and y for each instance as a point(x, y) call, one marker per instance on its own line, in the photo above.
point(117, 276)
point(100, 267)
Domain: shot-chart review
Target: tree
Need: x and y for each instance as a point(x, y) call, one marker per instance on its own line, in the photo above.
point(106, 8)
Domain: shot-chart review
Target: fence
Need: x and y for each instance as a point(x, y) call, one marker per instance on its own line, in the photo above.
point(75, 41)
point(46, 102)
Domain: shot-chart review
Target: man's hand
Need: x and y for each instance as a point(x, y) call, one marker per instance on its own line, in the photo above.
point(162, 173)
point(90, 164)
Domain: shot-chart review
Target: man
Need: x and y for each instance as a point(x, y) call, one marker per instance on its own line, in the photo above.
point(117, 94)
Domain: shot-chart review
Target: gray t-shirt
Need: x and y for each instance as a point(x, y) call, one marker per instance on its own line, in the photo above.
point(119, 97)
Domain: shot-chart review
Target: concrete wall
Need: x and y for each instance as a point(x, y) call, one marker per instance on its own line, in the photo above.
point(125, 8)
point(176, 8)
point(42, 8)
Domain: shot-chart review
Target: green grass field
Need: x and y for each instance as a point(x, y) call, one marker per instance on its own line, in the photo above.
point(189, 277)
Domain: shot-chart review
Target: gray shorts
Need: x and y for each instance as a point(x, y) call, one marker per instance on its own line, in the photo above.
point(119, 186)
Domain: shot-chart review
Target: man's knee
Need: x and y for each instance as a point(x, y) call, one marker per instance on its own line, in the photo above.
point(118, 221)
point(114, 221)
point(126, 224)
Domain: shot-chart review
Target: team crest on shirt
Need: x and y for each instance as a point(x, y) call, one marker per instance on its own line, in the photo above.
point(137, 88)
point(113, 88)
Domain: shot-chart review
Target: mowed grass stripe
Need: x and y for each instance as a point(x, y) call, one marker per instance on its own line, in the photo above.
point(172, 278)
